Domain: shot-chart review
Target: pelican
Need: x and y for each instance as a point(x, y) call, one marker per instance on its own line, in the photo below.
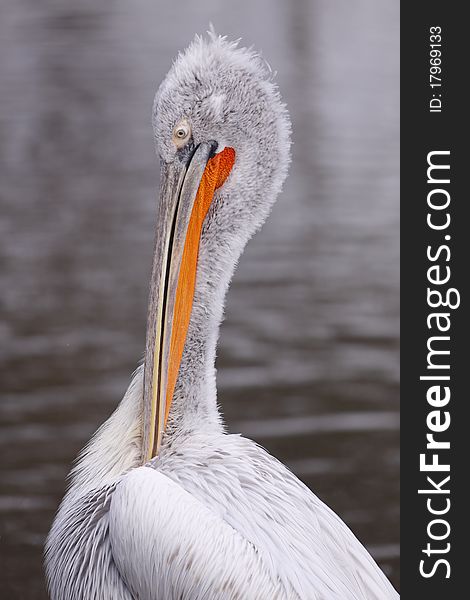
point(163, 503)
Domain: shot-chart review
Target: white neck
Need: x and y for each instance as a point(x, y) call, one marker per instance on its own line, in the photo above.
point(194, 405)
point(117, 445)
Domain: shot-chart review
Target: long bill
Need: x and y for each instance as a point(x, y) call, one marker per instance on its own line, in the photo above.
point(187, 190)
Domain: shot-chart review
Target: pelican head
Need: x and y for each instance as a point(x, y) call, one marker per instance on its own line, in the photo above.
point(223, 136)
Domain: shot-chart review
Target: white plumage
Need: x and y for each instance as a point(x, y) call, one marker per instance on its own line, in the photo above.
point(215, 516)
point(211, 515)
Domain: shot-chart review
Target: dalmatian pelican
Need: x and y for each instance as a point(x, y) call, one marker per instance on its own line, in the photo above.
point(163, 503)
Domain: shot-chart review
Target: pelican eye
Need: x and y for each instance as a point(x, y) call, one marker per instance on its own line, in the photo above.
point(181, 133)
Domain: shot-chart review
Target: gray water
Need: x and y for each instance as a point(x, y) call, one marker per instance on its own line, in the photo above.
point(308, 359)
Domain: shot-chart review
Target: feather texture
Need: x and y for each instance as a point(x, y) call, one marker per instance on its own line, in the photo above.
point(214, 516)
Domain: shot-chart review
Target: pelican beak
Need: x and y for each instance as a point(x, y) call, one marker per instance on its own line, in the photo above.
point(187, 190)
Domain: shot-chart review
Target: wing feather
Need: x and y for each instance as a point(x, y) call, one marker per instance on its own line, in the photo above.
point(169, 545)
point(306, 545)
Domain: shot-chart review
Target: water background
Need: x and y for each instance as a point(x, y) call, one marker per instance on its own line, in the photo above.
point(308, 360)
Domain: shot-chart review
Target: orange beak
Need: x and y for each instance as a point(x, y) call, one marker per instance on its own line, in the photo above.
point(186, 196)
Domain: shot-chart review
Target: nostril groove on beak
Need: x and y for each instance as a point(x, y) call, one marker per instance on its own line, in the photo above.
point(214, 145)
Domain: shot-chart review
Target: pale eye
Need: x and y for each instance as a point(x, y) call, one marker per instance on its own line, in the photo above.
point(181, 133)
